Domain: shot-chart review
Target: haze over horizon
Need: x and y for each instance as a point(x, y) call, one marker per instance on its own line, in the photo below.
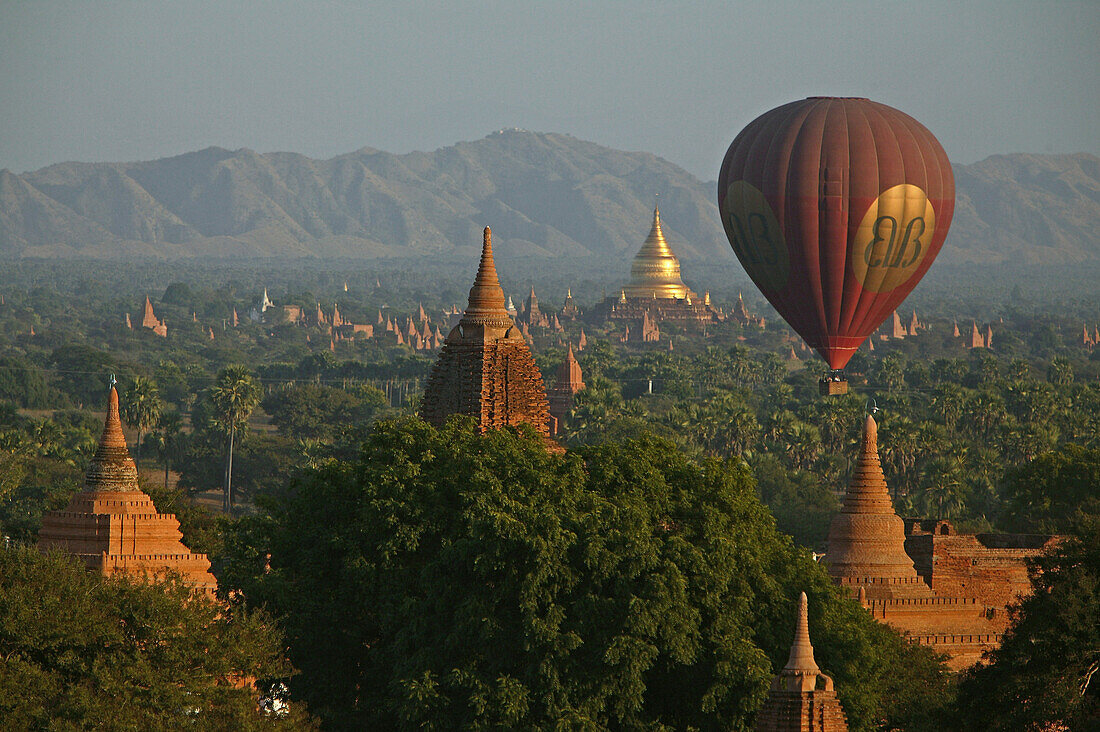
point(120, 81)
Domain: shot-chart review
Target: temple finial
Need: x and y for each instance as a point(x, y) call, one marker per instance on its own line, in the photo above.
point(487, 270)
point(486, 296)
point(870, 436)
point(802, 652)
point(111, 468)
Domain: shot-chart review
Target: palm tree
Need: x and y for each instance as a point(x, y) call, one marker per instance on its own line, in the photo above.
point(170, 425)
point(1060, 371)
point(946, 404)
point(141, 410)
point(802, 443)
point(233, 397)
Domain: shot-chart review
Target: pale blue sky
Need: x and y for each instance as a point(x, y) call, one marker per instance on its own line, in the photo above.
point(111, 80)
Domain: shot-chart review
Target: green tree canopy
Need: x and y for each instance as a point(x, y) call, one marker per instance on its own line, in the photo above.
point(312, 411)
point(84, 652)
point(450, 580)
point(1054, 493)
point(24, 384)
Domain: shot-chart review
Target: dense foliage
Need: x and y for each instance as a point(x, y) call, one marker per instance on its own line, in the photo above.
point(83, 652)
point(949, 430)
point(448, 580)
point(486, 539)
point(1057, 493)
point(954, 421)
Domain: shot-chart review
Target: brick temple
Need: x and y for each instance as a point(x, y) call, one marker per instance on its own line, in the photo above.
point(485, 368)
point(801, 698)
point(942, 589)
point(150, 320)
point(113, 526)
point(567, 384)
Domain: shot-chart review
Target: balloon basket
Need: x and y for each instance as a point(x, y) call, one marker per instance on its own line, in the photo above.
point(832, 387)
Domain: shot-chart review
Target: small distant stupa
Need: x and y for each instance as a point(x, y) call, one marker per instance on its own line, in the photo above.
point(568, 383)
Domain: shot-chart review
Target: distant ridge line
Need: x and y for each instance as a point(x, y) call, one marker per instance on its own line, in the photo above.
point(546, 195)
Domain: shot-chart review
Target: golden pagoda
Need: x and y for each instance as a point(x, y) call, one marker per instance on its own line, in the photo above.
point(655, 272)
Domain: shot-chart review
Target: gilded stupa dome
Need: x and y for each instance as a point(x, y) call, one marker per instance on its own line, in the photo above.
point(655, 272)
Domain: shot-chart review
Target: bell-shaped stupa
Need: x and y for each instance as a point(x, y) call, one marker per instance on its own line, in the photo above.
point(655, 272)
point(113, 526)
point(866, 545)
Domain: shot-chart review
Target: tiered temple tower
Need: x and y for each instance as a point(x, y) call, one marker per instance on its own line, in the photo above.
point(801, 699)
point(569, 381)
point(113, 526)
point(485, 369)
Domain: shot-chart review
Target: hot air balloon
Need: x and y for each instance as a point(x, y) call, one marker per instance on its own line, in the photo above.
point(836, 207)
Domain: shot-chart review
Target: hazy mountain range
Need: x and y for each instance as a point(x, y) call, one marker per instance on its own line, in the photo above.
point(545, 195)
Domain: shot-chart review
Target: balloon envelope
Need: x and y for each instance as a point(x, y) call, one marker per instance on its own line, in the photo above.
point(836, 207)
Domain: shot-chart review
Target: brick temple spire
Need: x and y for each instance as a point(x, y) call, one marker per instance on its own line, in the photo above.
point(801, 698)
point(569, 381)
point(867, 538)
point(486, 303)
point(112, 468)
point(112, 525)
point(485, 369)
point(801, 661)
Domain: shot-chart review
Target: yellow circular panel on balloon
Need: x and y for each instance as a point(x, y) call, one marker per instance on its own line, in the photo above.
point(755, 235)
point(893, 238)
